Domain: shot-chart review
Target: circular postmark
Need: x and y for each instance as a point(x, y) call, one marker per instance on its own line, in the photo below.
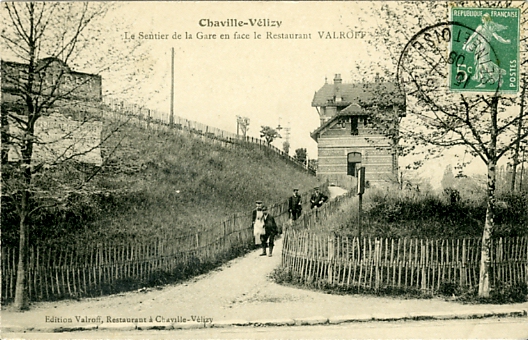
point(445, 68)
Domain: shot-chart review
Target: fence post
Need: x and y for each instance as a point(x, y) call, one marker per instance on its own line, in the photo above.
point(422, 264)
point(377, 255)
point(330, 259)
point(148, 118)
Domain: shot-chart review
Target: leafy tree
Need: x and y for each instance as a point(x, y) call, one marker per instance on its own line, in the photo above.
point(301, 155)
point(37, 35)
point(437, 118)
point(286, 147)
point(269, 134)
point(312, 163)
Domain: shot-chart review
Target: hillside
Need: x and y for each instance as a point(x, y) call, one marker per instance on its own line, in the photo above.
point(158, 182)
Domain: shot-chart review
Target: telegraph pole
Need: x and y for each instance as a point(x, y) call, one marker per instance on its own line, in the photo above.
point(360, 191)
point(171, 118)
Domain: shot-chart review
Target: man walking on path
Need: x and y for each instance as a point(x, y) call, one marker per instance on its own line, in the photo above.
point(295, 205)
point(317, 199)
point(271, 230)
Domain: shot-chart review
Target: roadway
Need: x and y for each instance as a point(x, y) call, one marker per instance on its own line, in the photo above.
point(493, 328)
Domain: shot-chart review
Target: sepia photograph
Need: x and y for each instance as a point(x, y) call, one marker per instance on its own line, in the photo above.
point(264, 170)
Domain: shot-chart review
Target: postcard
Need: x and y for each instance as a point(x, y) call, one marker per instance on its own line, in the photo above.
point(137, 136)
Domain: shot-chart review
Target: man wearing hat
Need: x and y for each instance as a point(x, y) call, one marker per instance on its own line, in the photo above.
point(317, 199)
point(271, 230)
point(295, 205)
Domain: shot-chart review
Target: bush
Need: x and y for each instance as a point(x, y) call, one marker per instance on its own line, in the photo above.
point(509, 293)
point(283, 275)
point(502, 293)
point(412, 214)
point(449, 289)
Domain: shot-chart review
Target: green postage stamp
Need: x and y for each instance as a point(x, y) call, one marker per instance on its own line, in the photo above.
point(485, 50)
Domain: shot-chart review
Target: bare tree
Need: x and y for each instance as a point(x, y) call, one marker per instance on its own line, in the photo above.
point(46, 39)
point(521, 127)
point(437, 118)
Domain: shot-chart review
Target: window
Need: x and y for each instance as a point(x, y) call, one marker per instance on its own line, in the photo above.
point(353, 163)
point(354, 126)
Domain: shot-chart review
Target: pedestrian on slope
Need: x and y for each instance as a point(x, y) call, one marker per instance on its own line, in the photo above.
point(317, 199)
point(271, 229)
point(295, 205)
point(257, 222)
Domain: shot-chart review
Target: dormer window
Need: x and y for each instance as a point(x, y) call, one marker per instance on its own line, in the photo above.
point(354, 126)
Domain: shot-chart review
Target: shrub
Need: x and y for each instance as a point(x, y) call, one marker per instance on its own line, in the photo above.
point(412, 214)
point(449, 289)
point(285, 275)
point(509, 293)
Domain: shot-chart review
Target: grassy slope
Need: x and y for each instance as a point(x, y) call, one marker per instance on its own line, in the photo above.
point(407, 214)
point(214, 182)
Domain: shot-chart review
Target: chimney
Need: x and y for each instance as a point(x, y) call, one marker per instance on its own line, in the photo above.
point(337, 79)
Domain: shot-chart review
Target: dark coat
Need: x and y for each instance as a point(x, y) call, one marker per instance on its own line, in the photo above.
point(270, 226)
point(295, 203)
point(317, 199)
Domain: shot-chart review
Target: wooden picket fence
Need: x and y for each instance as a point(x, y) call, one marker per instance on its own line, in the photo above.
point(415, 264)
point(88, 269)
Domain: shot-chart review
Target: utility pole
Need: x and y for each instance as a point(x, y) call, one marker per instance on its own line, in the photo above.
point(360, 191)
point(171, 117)
point(286, 144)
point(287, 130)
point(279, 127)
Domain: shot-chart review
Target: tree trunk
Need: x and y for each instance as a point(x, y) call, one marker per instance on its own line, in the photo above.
point(484, 287)
point(21, 296)
point(489, 225)
point(516, 160)
point(4, 136)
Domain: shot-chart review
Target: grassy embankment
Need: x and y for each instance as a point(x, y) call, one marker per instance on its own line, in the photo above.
point(398, 213)
point(158, 183)
point(394, 213)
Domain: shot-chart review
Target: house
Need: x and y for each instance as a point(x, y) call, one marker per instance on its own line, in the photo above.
point(69, 107)
point(358, 127)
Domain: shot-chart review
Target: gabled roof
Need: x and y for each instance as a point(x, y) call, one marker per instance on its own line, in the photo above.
point(315, 133)
point(329, 122)
point(352, 110)
point(358, 93)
